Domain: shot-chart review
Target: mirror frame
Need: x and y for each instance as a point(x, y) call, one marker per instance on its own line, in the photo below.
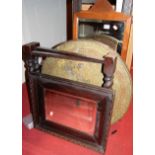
point(105, 16)
point(38, 82)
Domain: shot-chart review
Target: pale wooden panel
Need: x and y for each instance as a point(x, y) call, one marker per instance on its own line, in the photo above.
point(130, 49)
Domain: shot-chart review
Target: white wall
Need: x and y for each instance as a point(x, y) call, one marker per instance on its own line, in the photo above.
point(43, 21)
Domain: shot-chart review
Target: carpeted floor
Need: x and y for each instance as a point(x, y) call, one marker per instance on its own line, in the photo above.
point(36, 142)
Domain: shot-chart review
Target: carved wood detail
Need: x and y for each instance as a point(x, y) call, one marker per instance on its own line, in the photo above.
point(108, 71)
point(37, 82)
point(32, 52)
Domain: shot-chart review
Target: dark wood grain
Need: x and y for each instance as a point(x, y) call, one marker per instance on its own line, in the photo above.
point(37, 83)
point(101, 95)
point(44, 52)
point(108, 71)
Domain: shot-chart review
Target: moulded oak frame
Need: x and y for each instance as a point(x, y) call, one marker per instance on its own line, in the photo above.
point(104, 98)
point(38, 82)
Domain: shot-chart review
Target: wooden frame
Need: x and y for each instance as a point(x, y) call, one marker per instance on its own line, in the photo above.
point(107, 16)
point(73, 6)
point(38, 82)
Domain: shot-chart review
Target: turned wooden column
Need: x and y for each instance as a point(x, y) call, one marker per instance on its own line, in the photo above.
point(109, 67)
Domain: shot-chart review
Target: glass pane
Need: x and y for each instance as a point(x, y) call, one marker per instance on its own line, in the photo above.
point(88, 27)
point(71, 111)
point(91, 28)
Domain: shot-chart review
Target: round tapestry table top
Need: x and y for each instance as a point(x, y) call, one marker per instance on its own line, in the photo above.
point(88, 72)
